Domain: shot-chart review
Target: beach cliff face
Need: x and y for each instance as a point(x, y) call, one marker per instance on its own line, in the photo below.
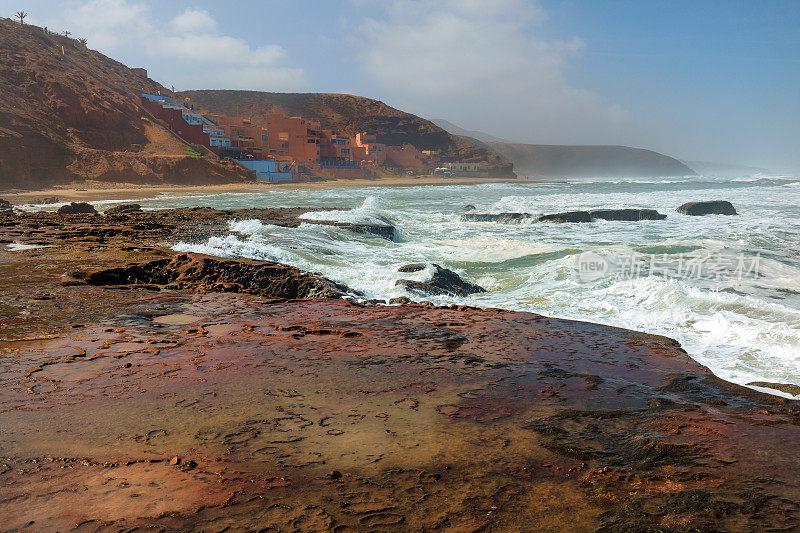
point(147, 389)
point(70, 114)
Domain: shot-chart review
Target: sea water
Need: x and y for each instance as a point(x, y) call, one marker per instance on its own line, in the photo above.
point(726, 287)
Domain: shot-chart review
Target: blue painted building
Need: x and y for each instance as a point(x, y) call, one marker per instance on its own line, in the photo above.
point(266, 169)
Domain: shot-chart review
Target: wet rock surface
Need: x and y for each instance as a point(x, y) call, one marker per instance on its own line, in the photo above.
point(443, 282)
point(331, 415)
point(631, 215)
point(384, 231)
point(76, 208)
point(501, 218)
point(567, 217)
point(5, 205)
point(714, 207)
point(123, 209)
point(202, 273)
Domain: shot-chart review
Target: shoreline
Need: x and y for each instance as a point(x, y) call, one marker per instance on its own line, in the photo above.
point(99, 191)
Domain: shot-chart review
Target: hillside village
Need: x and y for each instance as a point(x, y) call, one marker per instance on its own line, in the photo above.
point(290, 148)
point(71, 115)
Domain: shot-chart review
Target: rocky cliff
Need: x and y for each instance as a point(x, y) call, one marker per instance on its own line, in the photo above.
point(68, 113)
point(354, 114)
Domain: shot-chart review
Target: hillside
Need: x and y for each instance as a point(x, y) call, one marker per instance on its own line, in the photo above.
point(353, 114)
point(68, 113)
point(554, 161)
point(461, 132)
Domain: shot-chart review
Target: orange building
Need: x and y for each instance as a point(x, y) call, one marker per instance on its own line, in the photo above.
point(375, 151)
point(406, 157)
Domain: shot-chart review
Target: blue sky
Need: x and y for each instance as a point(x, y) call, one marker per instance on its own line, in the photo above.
point(713, 81)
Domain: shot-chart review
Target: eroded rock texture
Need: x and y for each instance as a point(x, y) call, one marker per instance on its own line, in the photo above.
point(125, 408)
point(202, 273)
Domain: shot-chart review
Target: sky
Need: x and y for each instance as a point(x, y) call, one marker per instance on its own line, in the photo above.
point(714, 81)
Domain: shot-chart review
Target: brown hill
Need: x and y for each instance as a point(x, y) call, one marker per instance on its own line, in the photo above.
point(69, 114)
point(556, 161)
point(354, 114)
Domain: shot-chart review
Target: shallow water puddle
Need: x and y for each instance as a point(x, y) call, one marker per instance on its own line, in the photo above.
point(178, 319)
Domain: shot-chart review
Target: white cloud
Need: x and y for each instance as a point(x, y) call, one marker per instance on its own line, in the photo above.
point(187, 51)
point(481, 61)
point(194, 21)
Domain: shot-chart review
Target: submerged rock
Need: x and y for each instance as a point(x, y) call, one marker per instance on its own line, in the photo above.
point(444, 282)
point(202, 273)
point(124, 209)
point(632, 215)
point(712, 207)
point(502, 218)
point(412, 267)
point(387, 232)
point(76, 208)
point(567, 216)
point(469, 207)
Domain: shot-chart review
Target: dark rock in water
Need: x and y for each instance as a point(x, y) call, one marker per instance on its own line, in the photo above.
point(5, 205)
point(444, 282)
point(632, 215)
point(401, 300)
point(412, 267)
point(502, 218)
point(713, 207)
point(76, 208)
point(124, 209)
point(469, 207)
point(566, 217)
point(202, 273)
point(386, 232)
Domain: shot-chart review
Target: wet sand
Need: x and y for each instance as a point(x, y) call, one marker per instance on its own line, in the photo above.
point(326, 414)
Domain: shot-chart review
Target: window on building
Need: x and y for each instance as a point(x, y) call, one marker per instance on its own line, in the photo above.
point(264, 138)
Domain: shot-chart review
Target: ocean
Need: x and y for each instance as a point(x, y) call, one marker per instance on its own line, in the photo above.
point(726, 287)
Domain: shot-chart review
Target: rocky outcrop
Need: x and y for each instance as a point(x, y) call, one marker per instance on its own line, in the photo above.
point(124, 209)
point(340, 409)
point(566, 217)
point(501, 218)
point(444, 282)
point(76, 208)
point(714, 207)
point(203, 273)
point(5, 205)
point(629, 215)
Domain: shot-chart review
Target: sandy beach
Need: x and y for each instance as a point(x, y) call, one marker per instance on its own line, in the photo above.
point(94, 191)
